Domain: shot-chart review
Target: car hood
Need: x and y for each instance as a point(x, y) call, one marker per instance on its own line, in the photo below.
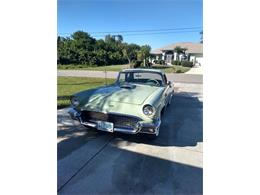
point(131, 94)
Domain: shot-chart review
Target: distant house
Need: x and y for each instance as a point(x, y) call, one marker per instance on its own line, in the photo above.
point(193, 53)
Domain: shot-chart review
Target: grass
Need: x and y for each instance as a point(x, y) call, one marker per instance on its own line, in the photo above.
point(67, 86)
point(172, 69)
point(96, 68)
point(167, 69)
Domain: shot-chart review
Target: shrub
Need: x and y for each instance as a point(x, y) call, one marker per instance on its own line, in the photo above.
point(186, 63)
point(162, 62)
point(179, 71)
point(149, 64)
point(176, 62)
point(136, 64)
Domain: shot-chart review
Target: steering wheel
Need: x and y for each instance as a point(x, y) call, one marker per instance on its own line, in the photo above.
point(154, 81)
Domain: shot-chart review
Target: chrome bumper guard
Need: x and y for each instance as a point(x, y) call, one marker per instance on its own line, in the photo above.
point(148, 128)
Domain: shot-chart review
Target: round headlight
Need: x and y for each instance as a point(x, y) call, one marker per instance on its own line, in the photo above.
point(74, 101)
point(148, 110)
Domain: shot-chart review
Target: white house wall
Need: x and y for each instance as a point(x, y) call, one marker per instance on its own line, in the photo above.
point(192, 58)
point(175, 56)
point(199, 60)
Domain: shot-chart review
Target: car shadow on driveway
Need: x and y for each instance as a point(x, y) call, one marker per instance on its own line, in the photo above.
point(131, 172)
point(182, 124)
point(71, 138)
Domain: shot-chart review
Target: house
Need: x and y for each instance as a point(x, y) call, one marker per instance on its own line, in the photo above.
point(193, 52)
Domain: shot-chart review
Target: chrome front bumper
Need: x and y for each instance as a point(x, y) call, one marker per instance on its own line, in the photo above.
point(148, 128)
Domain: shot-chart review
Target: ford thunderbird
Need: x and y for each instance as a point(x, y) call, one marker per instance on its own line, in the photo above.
point(134, 104)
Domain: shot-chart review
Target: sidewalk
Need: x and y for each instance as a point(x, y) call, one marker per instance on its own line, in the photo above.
point(195, 70)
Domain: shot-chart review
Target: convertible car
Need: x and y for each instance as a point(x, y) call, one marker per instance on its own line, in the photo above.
point(133, 104)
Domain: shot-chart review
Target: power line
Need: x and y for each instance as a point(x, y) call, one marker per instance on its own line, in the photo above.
point(140, 34)
point(168, 29)
point(150, 30)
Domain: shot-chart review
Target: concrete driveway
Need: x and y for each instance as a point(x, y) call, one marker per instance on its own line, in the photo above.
point(197, 70)
point(91, 162)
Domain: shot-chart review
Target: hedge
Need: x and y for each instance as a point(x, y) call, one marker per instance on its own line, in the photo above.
point(187, 63)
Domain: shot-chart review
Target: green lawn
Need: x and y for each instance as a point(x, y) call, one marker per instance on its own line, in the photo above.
point(172, 69)
point(97, 68)
point(70, 85)
point(167, 69)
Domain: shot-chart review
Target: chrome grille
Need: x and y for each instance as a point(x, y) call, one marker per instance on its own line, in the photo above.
point(123, 121)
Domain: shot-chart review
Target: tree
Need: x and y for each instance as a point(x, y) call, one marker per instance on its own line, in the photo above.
point(109, 38)
point(81, 48)
point(83, 40)
point(65, 54)
point(59, 42)
point(144, 53)
point(179, 50)
point(120, 38)
point(130, 52)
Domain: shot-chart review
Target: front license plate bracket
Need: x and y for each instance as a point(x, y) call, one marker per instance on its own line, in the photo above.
point(105, 126)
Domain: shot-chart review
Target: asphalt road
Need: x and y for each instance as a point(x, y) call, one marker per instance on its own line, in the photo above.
point(175, 77)
point(91, 162)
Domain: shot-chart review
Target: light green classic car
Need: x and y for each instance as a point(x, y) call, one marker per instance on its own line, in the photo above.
point(133, 104)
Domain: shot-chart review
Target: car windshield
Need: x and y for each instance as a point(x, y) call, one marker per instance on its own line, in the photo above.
point(146, 78)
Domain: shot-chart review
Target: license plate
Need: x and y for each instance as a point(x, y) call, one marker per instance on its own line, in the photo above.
point(105, 126)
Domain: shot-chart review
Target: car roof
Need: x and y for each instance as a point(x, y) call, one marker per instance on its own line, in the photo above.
point(143, 70)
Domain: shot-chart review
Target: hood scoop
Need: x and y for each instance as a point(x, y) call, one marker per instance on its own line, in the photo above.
point(127, 86)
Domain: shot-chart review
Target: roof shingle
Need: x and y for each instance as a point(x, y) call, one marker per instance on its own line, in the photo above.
point(190, 46)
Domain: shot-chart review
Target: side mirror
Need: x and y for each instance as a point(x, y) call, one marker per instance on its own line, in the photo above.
point(169, 83)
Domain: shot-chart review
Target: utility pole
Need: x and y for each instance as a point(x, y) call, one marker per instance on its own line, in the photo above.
point(106, 75)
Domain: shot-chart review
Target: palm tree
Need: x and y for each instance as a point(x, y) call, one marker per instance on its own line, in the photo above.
point(179, 50)
point(120, 38)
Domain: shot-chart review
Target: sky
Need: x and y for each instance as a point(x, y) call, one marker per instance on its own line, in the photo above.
point(94, 16)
